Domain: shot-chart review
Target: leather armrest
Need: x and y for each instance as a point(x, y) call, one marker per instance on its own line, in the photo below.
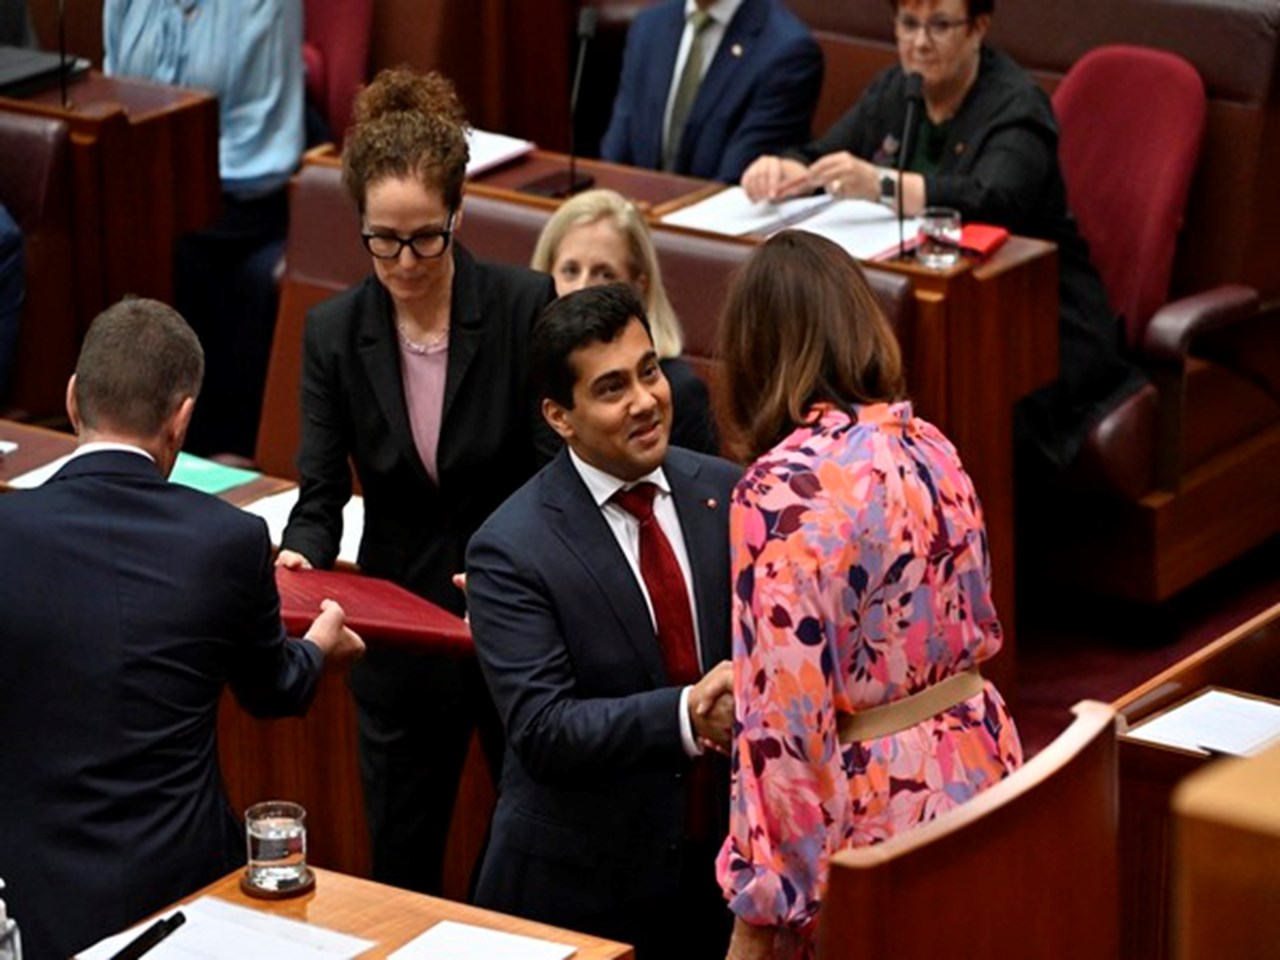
point(1171, 330)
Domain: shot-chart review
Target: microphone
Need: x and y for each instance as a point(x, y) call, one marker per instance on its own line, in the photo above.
point(62, 51)
point(561, 183)
point(915, 95)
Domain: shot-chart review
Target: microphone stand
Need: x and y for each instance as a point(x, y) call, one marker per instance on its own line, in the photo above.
point(62, 51)
point(562, 183)
point(915, 93)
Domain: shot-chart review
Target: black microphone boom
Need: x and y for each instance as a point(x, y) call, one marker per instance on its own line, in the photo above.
point(567, 183)
point(915, 94)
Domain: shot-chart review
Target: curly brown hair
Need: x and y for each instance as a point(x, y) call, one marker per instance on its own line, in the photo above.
point(407, 124)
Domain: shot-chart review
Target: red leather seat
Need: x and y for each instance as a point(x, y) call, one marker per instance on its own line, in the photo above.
point(1185, 474)
point(335, 50)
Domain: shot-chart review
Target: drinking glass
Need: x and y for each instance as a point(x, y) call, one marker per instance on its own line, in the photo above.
point(276, 834)
point(939, 238)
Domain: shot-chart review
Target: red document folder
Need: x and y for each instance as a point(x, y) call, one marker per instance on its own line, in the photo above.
point(379, 610)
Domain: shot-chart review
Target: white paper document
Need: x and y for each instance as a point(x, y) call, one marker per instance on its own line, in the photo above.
point(218, 930)
point(489, 150)
point(7, 446)
point(732, 214)
point(866, 230)
point(275, 510)
point(449, 940)
point(1215, 721)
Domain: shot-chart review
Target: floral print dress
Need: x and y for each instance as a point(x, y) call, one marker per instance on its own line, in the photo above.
point(860, 576)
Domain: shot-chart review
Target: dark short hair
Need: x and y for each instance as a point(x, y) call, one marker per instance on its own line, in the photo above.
point(974, 8)
point(137, 364)
point(592, 315)
point(800, 327)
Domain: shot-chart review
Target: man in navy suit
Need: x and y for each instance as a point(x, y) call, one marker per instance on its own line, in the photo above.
point(128, 604)
point(613, 797)
point(759, 70)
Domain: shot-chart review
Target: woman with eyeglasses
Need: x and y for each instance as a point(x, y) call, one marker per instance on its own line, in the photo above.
point(987, 145)
point(417, 378)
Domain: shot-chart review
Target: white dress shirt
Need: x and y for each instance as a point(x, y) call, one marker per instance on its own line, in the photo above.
point(626, 530)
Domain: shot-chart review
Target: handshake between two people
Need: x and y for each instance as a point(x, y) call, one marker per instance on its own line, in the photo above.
point(711, 708)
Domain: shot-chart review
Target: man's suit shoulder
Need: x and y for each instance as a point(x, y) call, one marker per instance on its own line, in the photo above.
point(718, 470)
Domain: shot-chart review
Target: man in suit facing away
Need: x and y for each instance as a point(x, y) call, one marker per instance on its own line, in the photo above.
point(707, 84)
point(599, 603)
point(129, 603)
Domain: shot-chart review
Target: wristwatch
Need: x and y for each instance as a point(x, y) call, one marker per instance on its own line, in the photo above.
point(888, 181)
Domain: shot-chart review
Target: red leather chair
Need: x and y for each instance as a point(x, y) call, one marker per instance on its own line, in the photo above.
point(335, 49)
point(1184, 475)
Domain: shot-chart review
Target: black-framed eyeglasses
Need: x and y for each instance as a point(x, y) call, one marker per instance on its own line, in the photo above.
point(935, 28)
point(425, 244)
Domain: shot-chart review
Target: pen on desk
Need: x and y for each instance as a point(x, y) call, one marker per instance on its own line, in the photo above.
point(149, 937)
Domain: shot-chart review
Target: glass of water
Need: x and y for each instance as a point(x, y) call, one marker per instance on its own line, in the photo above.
point(939, 238)
point(276, 833)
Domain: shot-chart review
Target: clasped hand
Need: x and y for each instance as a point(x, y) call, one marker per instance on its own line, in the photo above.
point(841, 174)
point(711, 708)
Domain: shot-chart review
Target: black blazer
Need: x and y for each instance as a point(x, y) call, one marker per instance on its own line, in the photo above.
point(129, 603)
point(353, 409)
point(590, 812)
point(1000, 165)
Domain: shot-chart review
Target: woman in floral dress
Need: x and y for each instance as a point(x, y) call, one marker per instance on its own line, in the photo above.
point(862, 596)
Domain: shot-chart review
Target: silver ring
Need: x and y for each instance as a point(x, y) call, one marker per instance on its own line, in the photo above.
point(833, 187)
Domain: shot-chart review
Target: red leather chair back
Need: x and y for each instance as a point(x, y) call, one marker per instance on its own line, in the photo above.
point(336, 52)
point(1132, 122)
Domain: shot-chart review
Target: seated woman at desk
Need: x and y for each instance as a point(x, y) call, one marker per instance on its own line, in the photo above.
point(600, 237)
point(418, 377)
point(862, 596)
point(986, 145)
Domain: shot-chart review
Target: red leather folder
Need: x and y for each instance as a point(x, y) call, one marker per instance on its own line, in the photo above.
point(379, 610)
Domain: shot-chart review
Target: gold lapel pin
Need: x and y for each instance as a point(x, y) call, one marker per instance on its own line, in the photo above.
point(711, 503)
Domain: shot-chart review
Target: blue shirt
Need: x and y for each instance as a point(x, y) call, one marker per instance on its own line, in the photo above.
point(248, 53)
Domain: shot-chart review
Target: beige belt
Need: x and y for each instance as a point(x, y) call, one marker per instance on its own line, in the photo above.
point(891, 717)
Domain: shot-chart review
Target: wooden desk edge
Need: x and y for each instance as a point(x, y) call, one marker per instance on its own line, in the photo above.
point(1130, 703)
point(392, 917)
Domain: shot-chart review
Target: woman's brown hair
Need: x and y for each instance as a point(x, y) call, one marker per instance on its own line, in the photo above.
point(407, 124)
point(801, 327)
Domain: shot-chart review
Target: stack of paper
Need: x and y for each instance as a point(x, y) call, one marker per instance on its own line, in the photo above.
point(275, 510)
point(1214, 721)
point(448, 940)
point(216, 929)
point(866, 230)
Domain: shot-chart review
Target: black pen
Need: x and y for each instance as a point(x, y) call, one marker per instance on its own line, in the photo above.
point(149, 937)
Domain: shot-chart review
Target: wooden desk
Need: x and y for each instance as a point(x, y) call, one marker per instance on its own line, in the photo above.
point(393, 917)
point(145, 170)
point(1246, 659)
